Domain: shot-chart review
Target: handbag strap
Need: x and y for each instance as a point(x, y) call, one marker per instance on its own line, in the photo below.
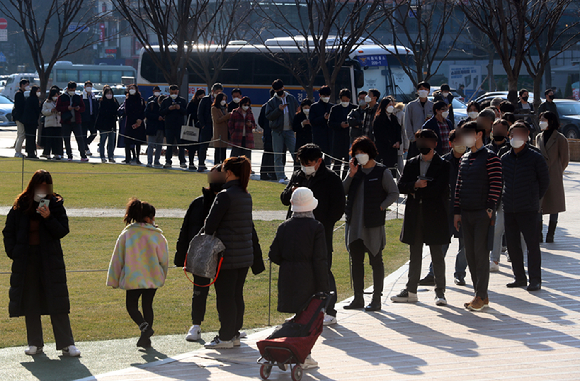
point(203, 285)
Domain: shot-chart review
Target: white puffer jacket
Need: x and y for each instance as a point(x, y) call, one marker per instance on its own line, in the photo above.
point(52, 119)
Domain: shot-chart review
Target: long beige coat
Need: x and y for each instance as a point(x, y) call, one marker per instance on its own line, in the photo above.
point(220, 126)
point(556, 153)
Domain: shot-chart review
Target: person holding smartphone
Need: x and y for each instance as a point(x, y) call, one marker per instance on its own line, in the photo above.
point(425, 180)
point(34, 227)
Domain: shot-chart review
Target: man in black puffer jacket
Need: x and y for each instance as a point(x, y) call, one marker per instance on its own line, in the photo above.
point(526, 179)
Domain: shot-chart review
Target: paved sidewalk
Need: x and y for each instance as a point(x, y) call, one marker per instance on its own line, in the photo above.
point(532, 336)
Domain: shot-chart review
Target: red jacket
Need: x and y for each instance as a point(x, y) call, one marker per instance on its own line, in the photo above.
point(236, 126)
point(62, 104)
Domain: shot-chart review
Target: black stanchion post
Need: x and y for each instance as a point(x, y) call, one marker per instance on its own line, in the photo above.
point(270, 294)
point(22, 173)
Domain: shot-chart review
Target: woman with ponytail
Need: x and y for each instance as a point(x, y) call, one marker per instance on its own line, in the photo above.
point(139, 265)
point(230, 219)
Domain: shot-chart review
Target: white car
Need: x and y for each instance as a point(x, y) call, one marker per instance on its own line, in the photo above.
point(6, 106)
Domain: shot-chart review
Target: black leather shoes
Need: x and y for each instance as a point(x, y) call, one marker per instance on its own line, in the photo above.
point(357, 303)
point(517, 283)
point(375, 305)
point(427, 281)
point(459, 281)
point(536, 286)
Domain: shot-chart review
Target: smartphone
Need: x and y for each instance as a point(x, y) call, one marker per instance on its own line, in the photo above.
point(43, 202)
point(355, 161)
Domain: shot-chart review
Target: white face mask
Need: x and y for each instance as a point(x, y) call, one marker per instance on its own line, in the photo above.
point(236, 100)
point(39, 196)
point(308, 170)
point(132, 91)
point(362, 102)
point(306, 111)
point(156, 93)
point(27, 88)
point(173, 96)
point(444, 95)
point(543, 125)
point(445, 114)
point(517, 142)
point(368, 99)
point(362, 158)
point(473, 114)
point(223, 103)
point(344, 104)
point(55, 98)
point(109, 96)
point(71, 93)
point(469, 141)
point(459, 149)
point(88, 89)
point(245, 108)
point(390, 109)
point(325, 99)
point(423, 93)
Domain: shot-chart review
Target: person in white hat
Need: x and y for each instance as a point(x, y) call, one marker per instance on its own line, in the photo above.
point(303, 262)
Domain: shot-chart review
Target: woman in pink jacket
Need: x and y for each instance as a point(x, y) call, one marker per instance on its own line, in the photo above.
point(139, 265)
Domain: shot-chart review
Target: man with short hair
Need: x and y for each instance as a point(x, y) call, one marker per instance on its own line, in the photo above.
point(370, 112)
point(154, 128)
point(339, 127)
point(479, 185)
point(526, 180)
point(319, 115)
point(173, 109)
point(441, 125)
point(417, 112)
point(206, 124)
point(71, 106)
point(17, 115)
point(523, 103)
point(236, 98)
point(356, 117)
point(444, 94)
point(327, 188)
point(548, 104)
point(89, 116)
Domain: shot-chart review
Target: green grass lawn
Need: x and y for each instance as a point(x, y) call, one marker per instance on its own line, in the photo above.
point(85, 185)
point(98, 312)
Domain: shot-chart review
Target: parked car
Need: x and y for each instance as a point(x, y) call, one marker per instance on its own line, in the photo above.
point(500, 94)
point(6, 106)
point(569, 111)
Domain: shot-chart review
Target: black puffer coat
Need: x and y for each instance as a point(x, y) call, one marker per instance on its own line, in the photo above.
point(230, 217)
point(300, 249)
point(16, 240)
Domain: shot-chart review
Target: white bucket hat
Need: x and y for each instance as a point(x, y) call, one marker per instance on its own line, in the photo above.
point(303, 200)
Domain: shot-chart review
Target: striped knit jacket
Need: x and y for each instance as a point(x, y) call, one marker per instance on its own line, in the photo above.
point(140, 259)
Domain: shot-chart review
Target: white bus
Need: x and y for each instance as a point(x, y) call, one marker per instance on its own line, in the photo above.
point(99, 75)
point(13, 83)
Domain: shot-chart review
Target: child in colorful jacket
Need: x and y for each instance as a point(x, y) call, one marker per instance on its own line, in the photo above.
point(139, 265)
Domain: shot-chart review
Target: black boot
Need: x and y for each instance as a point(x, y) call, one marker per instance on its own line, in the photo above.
point(551, 231)
point(357, 303)
point(146, 332)
point(375, 304)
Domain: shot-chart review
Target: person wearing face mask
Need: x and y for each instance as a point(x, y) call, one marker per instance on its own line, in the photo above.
point(71, 105)
point(356, 116)
point(404, 146)
point(441, 125)
point(526, 180)
point(327, 188)
point(134, 107)
point(549, 105)
point(372, 100)
point(485, 120)
point(204, 118)
point(554, 148)
point(241, 126)
point(425, 180)
point(30, 120)
point(280, 112)
point(38, 283)
point(267, 169)
point(89, 116)
point(18, 113)
point(417, 113)
point(302, 126)
point(340, 134)
point(220, 117)
point(192, 117)
point(154, 128)
point(387, 133)
point(370, 190)
point(523, 103)
point(444, 94)
point(236, 98)
point(473, 109)
point(173, 109)
point(319, 115)
point(139, 265)
point(479, 185)
point(52, 128)
point(106, 124)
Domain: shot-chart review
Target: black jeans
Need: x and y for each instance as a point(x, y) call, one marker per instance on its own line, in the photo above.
point(77, 131)
point(229, 288)
point(475, 226)
point(90, 129)
point(199, 299)
point(60, 326)
point(52, 141)
point(172, 136)
point(132, 304)
point(237, 151)
point(524, 223)
point(30, 130)
point(357, 250)
point(219, 155)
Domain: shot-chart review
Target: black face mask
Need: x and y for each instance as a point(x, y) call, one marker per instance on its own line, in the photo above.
point(498, 138)
point(216, 187)
point(552, 97)
point(525, 99)
point(424, 150)
point(280, 93)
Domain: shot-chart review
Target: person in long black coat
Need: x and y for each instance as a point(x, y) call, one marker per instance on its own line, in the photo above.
point(388, 134)
point(340, 132)
point(38, 284)
point(106, 124)
point(30, 120)
point(134, 107)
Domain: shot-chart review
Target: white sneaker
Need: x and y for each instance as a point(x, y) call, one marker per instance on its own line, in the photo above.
point(243, 334)
point(88, 152)
point(309, 363)
point(236, 341)
point(18, 154)
point(329, 320)
point(216, 343)
point(32, 350)
point(440, 300)
point(405, 297)
point(493, 267)
point(71, 351)
point(194, 333)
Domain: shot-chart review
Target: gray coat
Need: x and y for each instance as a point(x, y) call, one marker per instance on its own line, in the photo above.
point(276, 116)
point(230, 218)
point(416, 116)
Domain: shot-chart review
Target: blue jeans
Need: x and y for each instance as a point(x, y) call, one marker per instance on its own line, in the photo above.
point(460, 261)
point(278, 140)
point(154, 142)
point(110, 137)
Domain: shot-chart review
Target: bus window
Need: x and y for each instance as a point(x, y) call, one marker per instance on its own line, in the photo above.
point(90, 75)
point(111, 76)
point(67, 75)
